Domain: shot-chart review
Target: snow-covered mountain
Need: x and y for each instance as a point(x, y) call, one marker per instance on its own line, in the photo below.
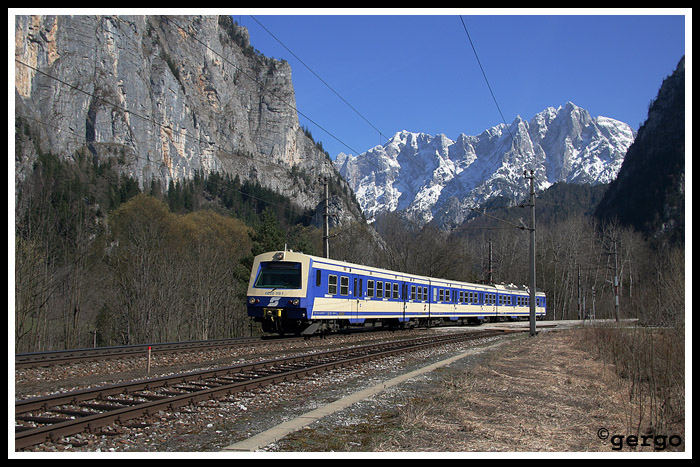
point(433, 177)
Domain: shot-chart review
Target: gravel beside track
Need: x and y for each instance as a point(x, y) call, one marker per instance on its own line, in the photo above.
point(211, 425)
point(33, 382)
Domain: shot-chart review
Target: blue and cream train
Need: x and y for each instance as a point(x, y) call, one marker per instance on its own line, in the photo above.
point(294, 292)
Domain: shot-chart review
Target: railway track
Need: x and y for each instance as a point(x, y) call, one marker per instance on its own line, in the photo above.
point(50, 418)
point(58, 357)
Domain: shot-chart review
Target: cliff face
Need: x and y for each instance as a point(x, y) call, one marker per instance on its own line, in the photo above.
point(166, 96)
point(649, 192)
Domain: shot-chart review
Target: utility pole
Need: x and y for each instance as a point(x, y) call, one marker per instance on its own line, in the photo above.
point(578, 295)
point(616, 286)
point(531, 177)
point(325, 219)
point(490, 270)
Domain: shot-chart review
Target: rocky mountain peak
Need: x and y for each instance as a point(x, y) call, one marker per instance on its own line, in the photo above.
point(436, 178)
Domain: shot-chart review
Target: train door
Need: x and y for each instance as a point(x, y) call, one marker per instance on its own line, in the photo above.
point(404, 294)
point(358, 297)
point(431, 299)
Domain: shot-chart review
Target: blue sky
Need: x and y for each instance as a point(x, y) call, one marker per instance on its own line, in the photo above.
point(418, 72)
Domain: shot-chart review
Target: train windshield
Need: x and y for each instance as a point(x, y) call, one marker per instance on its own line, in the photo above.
point(279, 275)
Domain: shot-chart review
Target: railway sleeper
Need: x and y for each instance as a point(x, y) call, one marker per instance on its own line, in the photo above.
point(125, 401)
point(206, 385)
point(99, 406)
point(153, 397)
point(188, 388)
point(170, 392)
point(42, 420)
point(77, 413)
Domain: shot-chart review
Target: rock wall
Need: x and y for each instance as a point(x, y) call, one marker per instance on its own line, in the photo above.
point(166, 95)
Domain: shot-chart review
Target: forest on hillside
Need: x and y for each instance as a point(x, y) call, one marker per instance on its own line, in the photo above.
point(97, 259)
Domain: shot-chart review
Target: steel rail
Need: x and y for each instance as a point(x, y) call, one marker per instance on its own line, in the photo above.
point(27, 436)
point(56, 357)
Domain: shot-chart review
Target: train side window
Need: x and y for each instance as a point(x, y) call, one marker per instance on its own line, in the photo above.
point(318, 278)
point(344, 285)
point(332, 284)
point(370, 288)
point(380, 290)
point(441, 295)
point(387, 289)
point(396, 290)
point(425, 293)
point(413, 292)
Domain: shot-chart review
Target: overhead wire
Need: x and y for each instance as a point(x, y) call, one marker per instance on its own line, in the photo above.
point(317, 76)
point(493, 96)
point(169, 127)
point(240, 70)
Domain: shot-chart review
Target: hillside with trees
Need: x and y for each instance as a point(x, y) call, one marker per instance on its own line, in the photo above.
point(95, 253)
point(649, 192)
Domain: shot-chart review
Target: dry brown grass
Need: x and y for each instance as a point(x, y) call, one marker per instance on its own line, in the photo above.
point(541, 394)
point(537, 394)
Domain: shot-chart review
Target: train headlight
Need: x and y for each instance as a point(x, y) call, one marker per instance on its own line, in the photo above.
point(294, 301)
point(253, 301)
